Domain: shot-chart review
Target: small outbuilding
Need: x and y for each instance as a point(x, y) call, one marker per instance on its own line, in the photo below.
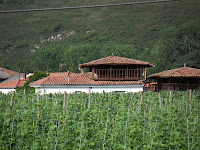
point(183, 78)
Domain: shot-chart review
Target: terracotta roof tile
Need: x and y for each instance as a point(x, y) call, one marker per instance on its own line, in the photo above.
point(21, 83)
point(57, 73)
point(4, 75)
point(77, 79)
point(10, 72)
point(177, 73)
point(115, 60)
point(13, 84)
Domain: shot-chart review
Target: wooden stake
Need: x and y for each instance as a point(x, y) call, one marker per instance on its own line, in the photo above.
point(89, 101)
point(12, 98)
point(190, 96)
point(64, 106)
point(64, 103)
point(104, 143)
point(170, 96)
point(140, 101)
point(147, 105)
point(43, 92)
point(160, 101)
point(11, 103)
point(38, 100)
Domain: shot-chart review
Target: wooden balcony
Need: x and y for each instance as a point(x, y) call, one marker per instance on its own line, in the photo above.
point(173, 86)
point(118, 74)
point(179, 86)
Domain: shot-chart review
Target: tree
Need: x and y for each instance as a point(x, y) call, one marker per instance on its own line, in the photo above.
point(37, 75)
point(82, 53)
point(47, 59)
point(178, 46)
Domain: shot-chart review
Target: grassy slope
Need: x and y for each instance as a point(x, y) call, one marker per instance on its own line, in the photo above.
point(137, 25)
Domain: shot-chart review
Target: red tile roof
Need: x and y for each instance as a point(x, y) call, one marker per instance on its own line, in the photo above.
point(10, 72)
point(177, 73)
point(13, 84)
point(115, 60)
point(76, 79)
point(57, 73)
point(21, 83)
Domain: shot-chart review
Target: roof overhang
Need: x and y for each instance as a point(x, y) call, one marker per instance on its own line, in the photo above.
point(170, 77)
point(112, 64)
point(110, 85)
point(8, 87)
point(116, 60)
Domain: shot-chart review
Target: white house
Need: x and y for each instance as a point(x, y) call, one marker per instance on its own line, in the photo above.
point(110, 74)
point(9, 86)
point(10, 80)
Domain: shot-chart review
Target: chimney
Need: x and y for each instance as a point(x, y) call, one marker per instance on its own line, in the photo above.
point(19, 73)
point(184, 64)
point(24, 76)
point(68, 76)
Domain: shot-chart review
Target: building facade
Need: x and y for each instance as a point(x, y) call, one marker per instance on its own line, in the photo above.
point(109, 74)
point(183, 78)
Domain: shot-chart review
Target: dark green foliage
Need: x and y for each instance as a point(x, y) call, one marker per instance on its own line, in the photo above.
point(113, 122)
point(178, 45)
point(57, 28)
point(16, 2)
point(47, 59)
point(3, 64)
point(37, 75)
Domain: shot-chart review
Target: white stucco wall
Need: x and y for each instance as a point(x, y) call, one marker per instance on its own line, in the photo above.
point(94, 89)
point(6, 91)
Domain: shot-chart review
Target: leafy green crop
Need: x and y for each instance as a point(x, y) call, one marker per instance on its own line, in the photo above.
point(115, 121)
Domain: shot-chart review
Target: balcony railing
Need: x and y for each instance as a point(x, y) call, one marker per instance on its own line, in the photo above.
point(179, 86)
point(173, 86)
point(119, 74)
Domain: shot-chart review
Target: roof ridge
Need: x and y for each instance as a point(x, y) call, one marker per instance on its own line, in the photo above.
point(177, 69)
point(116, 60)
point(10, 72)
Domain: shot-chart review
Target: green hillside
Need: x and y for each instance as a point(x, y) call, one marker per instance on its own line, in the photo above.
point(165, 34)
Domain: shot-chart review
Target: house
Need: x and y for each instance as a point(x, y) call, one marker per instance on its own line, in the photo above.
point(6, 74)
point(11, 80)
point(183, 78)
point(109, 74)
point(10, 86)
